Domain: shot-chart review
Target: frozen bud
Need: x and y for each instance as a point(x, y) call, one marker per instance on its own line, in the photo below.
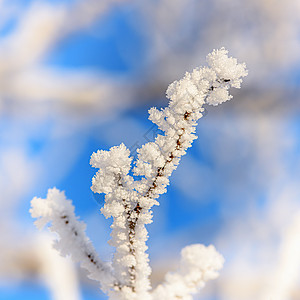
point(227, 68)
point(116, 160)
point(218, 96)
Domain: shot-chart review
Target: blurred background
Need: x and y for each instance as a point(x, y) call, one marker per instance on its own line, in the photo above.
point(77, 76)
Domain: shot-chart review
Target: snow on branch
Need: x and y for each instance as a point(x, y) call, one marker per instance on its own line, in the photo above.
point(129, 198)
point(73, 240)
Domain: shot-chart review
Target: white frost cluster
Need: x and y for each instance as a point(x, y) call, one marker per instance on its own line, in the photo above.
point(129, 198)
point(198, 265)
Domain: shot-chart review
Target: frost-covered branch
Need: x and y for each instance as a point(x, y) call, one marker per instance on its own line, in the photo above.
point(130, 192)
point(156, 160)
point(73, 240)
